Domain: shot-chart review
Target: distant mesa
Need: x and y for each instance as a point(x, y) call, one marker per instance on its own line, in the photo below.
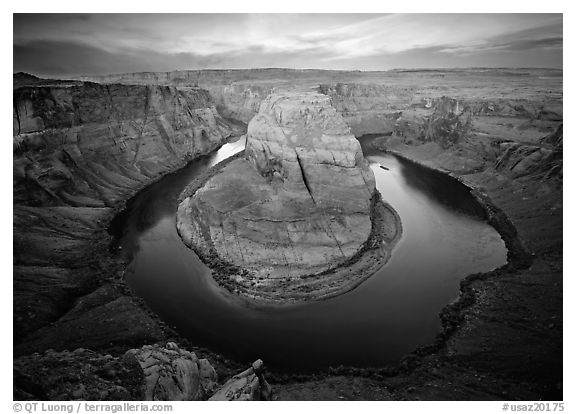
point(25, 79)
point(298, 217)
point(23, 76)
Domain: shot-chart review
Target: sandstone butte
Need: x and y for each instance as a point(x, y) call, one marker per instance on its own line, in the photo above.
point(298, 218)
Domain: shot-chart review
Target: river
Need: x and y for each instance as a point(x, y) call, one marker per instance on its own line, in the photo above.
point(444, 239)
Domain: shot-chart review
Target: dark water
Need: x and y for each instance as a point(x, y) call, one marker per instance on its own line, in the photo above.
point(376, 324)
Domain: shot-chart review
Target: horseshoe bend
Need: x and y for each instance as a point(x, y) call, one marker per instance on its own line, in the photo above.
point(112, 175)
point(298, 217)
point(287, 234)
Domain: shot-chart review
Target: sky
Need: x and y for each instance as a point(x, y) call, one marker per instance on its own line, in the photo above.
point(93, 44)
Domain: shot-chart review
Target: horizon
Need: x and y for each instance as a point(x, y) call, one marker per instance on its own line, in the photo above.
point(60, 45)
point(421, 69)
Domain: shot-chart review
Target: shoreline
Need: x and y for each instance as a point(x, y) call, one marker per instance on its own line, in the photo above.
point(517, 255)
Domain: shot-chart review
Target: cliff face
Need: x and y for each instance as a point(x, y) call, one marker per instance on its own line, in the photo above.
point(80, 150)
point(239, 101)
point(389, 102)
point(298, 204)
point(91, 145)
point(431, 113)
point(368, 108)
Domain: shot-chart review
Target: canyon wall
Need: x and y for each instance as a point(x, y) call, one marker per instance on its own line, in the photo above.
point(91, 145)
point(372, 102)
point(80, 151)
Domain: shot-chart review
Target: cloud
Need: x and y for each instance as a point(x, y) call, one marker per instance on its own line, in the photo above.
point(101, 43)
point(542, 37)
point(67, 58)
point(57, 58)
point(400, 33)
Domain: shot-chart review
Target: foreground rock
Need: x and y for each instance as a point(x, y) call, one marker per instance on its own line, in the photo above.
point(300, 203)
point(159, 372)
point(249, 385)
point(174, 374)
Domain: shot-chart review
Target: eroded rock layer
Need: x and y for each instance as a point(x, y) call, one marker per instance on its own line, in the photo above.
point(80, 151)
point(299, 203)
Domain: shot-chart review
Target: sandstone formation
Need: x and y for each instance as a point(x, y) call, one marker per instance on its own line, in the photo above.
point(544, 157)
point(298, 204)
point(91, 145)
point(80, 150)
point(372, 102)
point(399, 108)
point(249, 385)
point(369, 108)
point(174, 374)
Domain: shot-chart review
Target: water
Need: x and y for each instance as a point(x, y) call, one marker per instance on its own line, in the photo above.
point(393, 312)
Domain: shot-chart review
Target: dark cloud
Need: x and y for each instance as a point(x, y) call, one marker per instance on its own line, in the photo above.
point(41, 18)
point(72, 59)
point(540, 32)
point(553, 42)
point(60, 58)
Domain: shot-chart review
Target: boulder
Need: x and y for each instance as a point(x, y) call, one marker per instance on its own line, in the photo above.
point(152, 373)
point(174, 374)
point(249, 385)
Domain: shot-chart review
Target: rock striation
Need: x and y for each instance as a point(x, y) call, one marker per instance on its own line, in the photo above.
point(369, 108)
point(174, 374)
point(90, 144)
point(249, 385)
point(81, 150)
point(544, 157)
point(298, 204)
